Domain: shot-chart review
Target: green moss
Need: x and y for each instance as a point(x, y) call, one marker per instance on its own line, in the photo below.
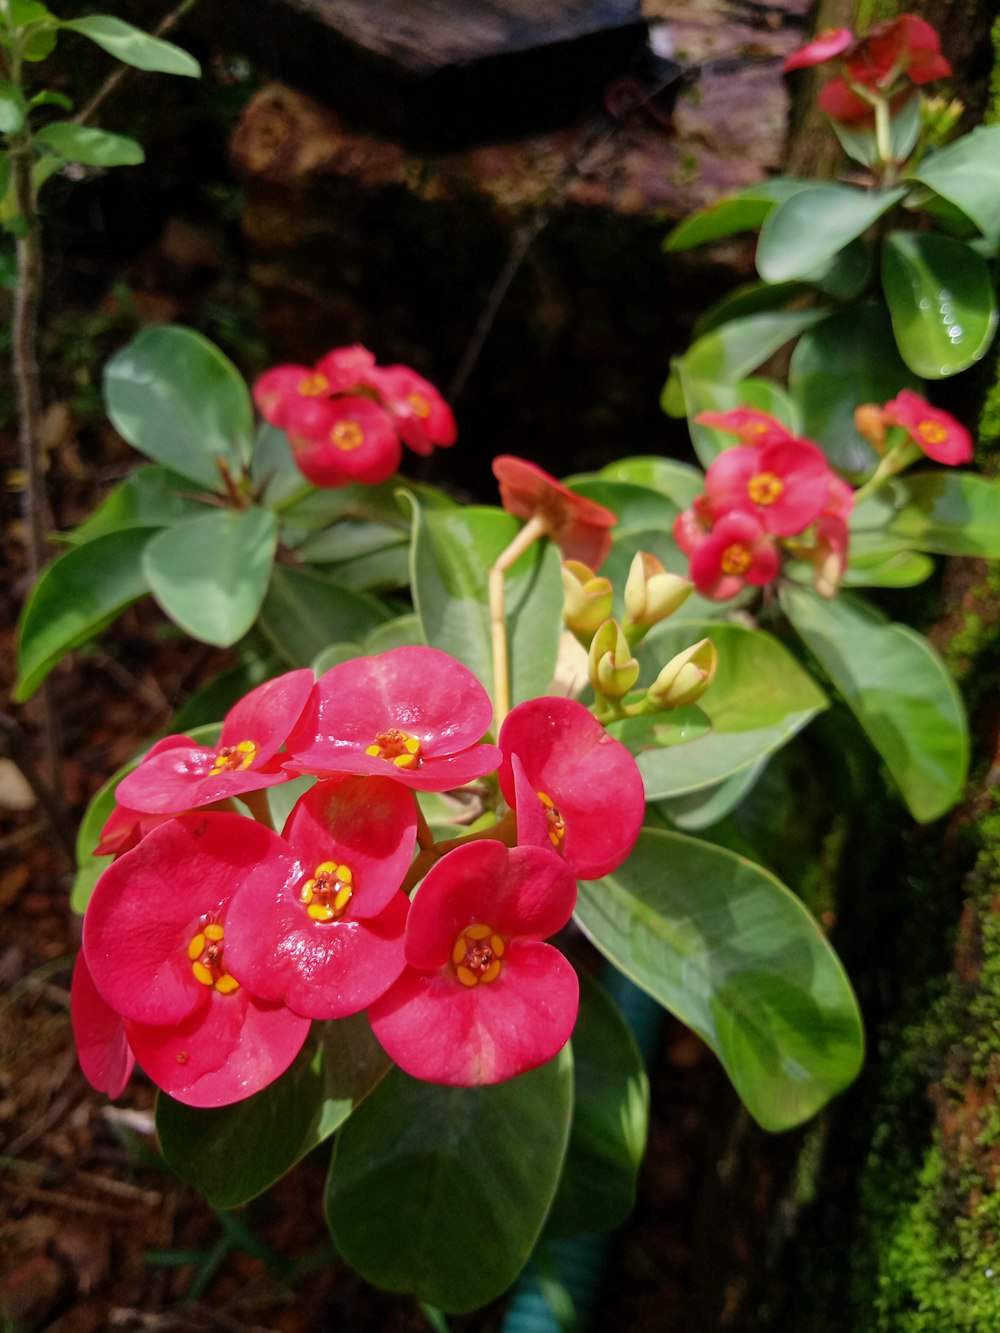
point(993, 106)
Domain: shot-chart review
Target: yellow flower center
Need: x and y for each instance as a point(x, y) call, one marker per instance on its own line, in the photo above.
point(347, 435)
point(736, 559)
point(932, 431)
point(557, 825)
point(476, 955)
point(398, 747)
point(206, 953)
point(326, 896)
point(312, 386)
point(421, 407)
point(765, 488)
point(234, 758)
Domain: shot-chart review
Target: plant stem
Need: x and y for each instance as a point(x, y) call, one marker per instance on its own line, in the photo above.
point(112, 82)
point(535, 527)
point(505, 832)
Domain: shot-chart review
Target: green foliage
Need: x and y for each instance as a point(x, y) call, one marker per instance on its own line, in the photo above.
point(134, 47)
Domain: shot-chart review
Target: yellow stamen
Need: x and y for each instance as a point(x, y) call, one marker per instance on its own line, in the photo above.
point(327, 895)
point(421, 407)
point(202, 973)
point(206, 954)
point(476, 955)
point(765, 488)
point(736, 559)
point(234, 758)
point(932, 431)
point(400, 748)
point(347, 435)
point(196, 946)
point(557, 825)
point(311, 386)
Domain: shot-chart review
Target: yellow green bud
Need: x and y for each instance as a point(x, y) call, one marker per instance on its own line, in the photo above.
point(587, 598)
point(652, 594)
point(686, 677)
point(610, 665)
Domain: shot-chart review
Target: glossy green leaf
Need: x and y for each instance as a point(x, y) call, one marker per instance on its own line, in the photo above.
point(736, 349)
point(904, 131)
point(12, 108)
point(214, 700)
point(451, 555)
point(847, 359)
point(610, 1120)
point(741, 212)
point(22, 12)
point(40, 42)
point(209, 574)
point(898, 689)
point(233, 1153)
point(441, 1192)
point(679, 482)
point(804, 232)
point(967, 173)
point(304, 613)
point(91, 147)
point(361, 554)
point(152, 497)
point(757, 702)
point(174, 396)
point(727, 948)
point(636, 506)
point(701, 809)
point(75, 598)
point(951, 513)
point(49, 97)
point(942, 301)
point(848, 273)
point(750, 298)
point(902, 569)
point(402, 632)
point(134, 47)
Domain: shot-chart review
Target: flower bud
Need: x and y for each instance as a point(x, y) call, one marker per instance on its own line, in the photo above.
point(587, 597)
point(869, 422)
point(611, 667)
point(651, 594)
point(686, 677)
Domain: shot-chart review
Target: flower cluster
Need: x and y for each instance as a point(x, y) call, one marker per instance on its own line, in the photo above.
point(885, 65)
point(770, 493)
point(212, 942)
point(934, 432)
point(347, 419)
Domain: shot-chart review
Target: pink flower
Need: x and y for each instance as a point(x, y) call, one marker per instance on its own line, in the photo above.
point(692, 526)
point(280, 389)
point(124, 827)
point(346, 368)
point(738, 551)
point(825, 46)
point(421, 416)
point(482, 998)
point(154, 940)
point(576, 789)
point(337, 441)
point(325, 933)
point(101, 1045)
point(784, 485)
point(751, 426)
point(937, 433)
point(415, 715)
point(579, 527)
point(183, 777)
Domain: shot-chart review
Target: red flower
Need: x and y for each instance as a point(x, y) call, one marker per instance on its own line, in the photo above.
point(578, 526)
point(937, 433)
point(751, 426)
point(124, 827)
point(904, 45)
point(738, 551)
point(576, 789)
point(412, 714)
point(246, 758)
point(325, 934)
point(692, 526)
point(482, 998)
point(279, 390)
point(154, 939)
point(421, 416)
point(101, 1045)
point(784, 485)
point(829, 556)
point(336, 441)
point(826, 46)
point(346, 368)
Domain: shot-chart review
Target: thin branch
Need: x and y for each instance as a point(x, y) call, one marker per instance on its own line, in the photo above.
point(115, 78)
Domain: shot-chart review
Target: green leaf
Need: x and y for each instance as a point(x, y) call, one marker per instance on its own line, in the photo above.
point(610, 1120)
point(152, 497)
point(951, 513)
point(751, 298)
point(49, 97)
point(175, 397)
point(967, 173)
point(942, 301)
point(209, 574)
point(22, 12)
point(757, 702)
point(441, 1191)
point(402, 632)
point(903, 569)
point(12, 108)
point(134, 47)
point(93, 148)
point(723, 396)
point(636, 506)
point(805, 232)
point(75, 598)
point(361, 553)
point(701, 809)
point(848, 273)
point(846, 360)
point(452, 552)
point(741, 212)
point(732, 352)
point(904, 132)
point(40, 43)
point(898, 689)
point(679, 482)
point(233, 1153)
point(727, 948)
point(304, 613)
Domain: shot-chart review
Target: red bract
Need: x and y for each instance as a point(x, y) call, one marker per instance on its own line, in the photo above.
point(415, 715)
point(482, 998)
point(326, 934)
point(784, 485)
point(738, 551)
point(904, 45)
point(692, 526)
point(575, 788)
point(154, 939)
point(751, 426)
point(279, 390)
point(124, 827)
point(579, 527)
point(246, 758)
point(826, 46)
point(421, 416)
point(338, 441)
point(101, 1045)
point(937, 433)
point(346, 368)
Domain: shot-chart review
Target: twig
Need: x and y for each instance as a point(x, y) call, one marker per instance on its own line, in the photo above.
point(58, 1199)
point(111, 83)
